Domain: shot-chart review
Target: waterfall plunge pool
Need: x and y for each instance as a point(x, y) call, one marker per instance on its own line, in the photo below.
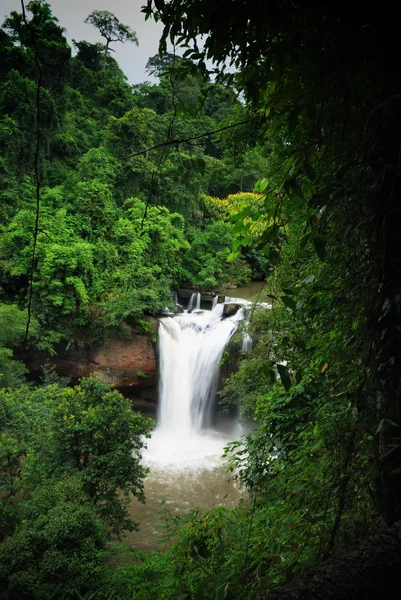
point(183, 478)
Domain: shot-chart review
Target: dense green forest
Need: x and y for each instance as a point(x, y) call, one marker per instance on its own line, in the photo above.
point(284, 168)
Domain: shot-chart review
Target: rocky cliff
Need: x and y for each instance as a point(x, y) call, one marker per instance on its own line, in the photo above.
point(121, 363)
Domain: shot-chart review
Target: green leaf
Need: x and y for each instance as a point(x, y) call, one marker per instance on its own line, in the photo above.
point(200, 594)
point(385, 422)
point(200, 165)
point(239, 227)
point(217, 174)
point(261, 185)
point(245, 212)
point(309, 279)
point(246, 241)
point(288, 302)
point(305, 240)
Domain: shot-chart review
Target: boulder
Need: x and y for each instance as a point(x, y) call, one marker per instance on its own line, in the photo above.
point(230, 309)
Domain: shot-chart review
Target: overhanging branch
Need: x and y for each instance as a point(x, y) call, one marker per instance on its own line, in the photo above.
point(178, 141)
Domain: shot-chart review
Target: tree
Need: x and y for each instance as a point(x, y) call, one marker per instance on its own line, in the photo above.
point(55, 552)
point(41, 34)
point(84, 279)
point(88, 432)
point(89, 54)
point(12, 327)
point(111, 29)
point(98, 436)
point(159, 64)
point(33, 85)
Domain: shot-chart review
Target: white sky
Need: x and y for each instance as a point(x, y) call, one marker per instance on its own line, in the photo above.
point(72, 14)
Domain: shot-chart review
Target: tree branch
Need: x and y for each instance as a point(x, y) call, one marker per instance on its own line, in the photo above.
point(178, 141)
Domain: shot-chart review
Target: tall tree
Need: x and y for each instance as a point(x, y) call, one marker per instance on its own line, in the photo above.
point(111, 29)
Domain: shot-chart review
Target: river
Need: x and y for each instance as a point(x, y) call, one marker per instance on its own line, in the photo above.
point(249, 292)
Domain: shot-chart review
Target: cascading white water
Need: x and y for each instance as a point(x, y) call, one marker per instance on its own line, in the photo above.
point(246, 342)
point(191, 346)
point(194, 301)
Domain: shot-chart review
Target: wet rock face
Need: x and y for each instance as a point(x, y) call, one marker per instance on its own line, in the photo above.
point(230, 309)
point(127, 363)
point(122, 363)
point(184, 295)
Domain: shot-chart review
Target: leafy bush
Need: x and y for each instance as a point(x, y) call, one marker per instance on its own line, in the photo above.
point(55, 550)
point(69, 461)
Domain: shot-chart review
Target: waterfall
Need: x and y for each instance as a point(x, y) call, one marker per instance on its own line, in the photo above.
point(194, 301)
point(191, 346)
point(190, 350)
point(246, 342)
point(215, 302)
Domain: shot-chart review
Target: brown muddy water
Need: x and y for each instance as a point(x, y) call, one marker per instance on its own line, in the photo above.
point(200, 485)
point(249, 292)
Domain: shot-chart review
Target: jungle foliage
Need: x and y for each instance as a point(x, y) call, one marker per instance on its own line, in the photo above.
point(117, 227)
point(303, 191)
point(69, 461)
